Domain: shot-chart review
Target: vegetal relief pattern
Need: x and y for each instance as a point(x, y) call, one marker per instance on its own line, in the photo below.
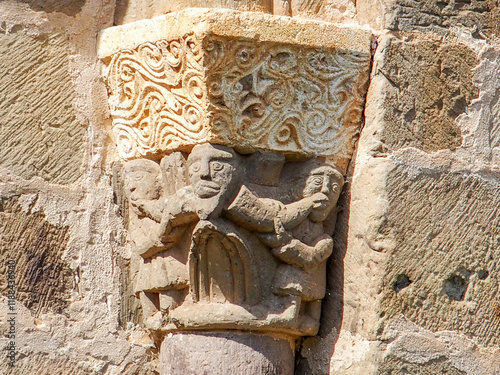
point(174, 94)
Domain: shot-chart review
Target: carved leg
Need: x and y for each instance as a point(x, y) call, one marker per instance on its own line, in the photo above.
point(310, 313)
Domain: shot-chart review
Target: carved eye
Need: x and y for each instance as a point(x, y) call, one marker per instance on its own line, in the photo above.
point(195, 167)
point(318, 180)
point(138, 176)
point(216, 166)
point(335, 188)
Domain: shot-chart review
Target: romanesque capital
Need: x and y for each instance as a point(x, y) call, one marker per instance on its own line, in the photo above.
point(231, 241)
point(234, 130)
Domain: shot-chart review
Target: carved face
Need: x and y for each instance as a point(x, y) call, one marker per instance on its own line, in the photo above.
point(141, 180)
point(213, 171)
point(327, 181)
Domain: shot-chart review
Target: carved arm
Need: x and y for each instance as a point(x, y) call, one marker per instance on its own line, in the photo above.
point(301, 255)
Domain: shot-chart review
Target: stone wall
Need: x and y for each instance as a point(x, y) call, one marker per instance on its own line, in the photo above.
point(57, 216)
point(413, 281)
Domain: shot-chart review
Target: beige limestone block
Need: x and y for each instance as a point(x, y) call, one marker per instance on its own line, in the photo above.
point(330, 10)
point(40, 133)
point(421, 351)
point(325, 10)
point(441, 272)
point(248, 80)
point(69, 7)
point(134, 10)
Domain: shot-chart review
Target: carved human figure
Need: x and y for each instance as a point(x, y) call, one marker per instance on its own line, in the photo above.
point(220, 213)
point(302, 244)
point(143, 188)
point(162, 276)
point(214, 179)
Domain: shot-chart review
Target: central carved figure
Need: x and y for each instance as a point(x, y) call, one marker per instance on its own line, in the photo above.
point(230, 241)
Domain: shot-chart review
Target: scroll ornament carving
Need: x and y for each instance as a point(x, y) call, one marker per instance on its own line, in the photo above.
point(230, 241)
point(174, 94)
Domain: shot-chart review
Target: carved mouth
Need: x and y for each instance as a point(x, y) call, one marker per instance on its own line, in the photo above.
point(207, 189)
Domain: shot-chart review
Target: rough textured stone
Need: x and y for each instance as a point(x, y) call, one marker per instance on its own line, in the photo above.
point(226, 352)
point(419, 351)
point(48, 364)
point(392, 366)
point(134, 10)
point(331, 11)
point(69, 7)
point(44, 281)
point(428, 84)
point(445, 227)
point(41, 135)
point(481, 16)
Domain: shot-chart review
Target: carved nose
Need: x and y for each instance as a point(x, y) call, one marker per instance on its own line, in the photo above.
point(204, 171)
point(325, 189)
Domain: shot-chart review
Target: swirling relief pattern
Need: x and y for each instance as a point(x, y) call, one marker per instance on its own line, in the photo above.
point(170, 95)
point(286, 98)
point(157, 97)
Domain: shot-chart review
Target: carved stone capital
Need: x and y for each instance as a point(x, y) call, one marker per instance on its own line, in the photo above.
point(235, 129)
point(251, 81)
point(222, 243)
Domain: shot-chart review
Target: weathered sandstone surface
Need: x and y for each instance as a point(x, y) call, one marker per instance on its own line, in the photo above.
point(401, 98)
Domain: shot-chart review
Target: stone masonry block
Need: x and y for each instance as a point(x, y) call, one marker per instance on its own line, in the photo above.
point(480, 16)
point(441, 271)
point(419, 88)
point(40, 134)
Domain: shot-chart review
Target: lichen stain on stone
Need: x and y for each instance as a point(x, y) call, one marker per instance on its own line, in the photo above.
point(43, 279)
point(430, 83)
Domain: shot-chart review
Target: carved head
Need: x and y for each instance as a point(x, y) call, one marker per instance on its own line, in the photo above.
point(215, 172)
point(322, 178)
point(142, 180)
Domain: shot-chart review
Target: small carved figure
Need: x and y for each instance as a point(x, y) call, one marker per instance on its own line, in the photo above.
point(162, 275)
point(304, 246)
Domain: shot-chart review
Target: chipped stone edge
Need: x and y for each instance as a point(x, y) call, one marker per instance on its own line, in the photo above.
point(231, 23)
